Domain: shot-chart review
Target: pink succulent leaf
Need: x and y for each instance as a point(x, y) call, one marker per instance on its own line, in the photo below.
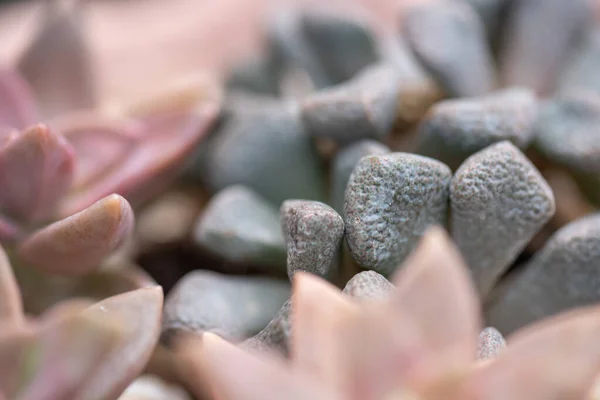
point(101, 144)
point(142, 311)
point(425, 334)
point(71, 347)
point(435, 291)
point(41, 290)
point(17, 350)
point(319, 311)
point(558, 358)
point(64, 309)
point(166, 140)
point(76, 245)
point(238, 375)
point(57, 63)
point(382, 351)
point(17, 104)
point(11, 306)
point(36, 170)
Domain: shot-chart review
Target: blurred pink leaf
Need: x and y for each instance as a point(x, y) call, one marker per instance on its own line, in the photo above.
point(57, 64)
point(557, 358)
point(165, 141)
point(101, 143)
point(79, 243)
point(92, 353)
point(65, 308)
point(141, 311)
point(36, 170)
point(435, 291)
point(71, 347)
point(236, 374)
point(11, 306)
point(41, 290)
point(318, 311)
point(15, 352)
point(17, 105)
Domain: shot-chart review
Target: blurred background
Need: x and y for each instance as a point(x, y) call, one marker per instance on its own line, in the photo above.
point(134, 42)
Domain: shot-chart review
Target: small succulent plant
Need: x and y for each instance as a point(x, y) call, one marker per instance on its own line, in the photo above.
point(76, 349)
point(363, 215)
point(70, 170)
point(421, 342)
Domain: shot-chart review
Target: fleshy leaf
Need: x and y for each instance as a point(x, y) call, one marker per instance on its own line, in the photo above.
point(57, 63)
point(558, 358)
point(318, 311)
point(436, 291)
point(101, 143)
point(165, 141)
point(17, 104)
point(64, 308)
point(141, 309)
point(238, 375)
point(11, 307)
point(69, 350)
point(15, 355)
point(78, 244)
point(423, 337)
point(36, 170)
point(41, 291)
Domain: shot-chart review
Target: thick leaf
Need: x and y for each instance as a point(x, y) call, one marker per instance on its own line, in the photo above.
point(557, 358)
point(11, 307)
point(435, 290)
point(141, 309)
point(69, 350)
point(78, 244)
point(101, 143)
point(36, 170)
point(237, 375)
point(17, 105)
point(423, 338)
point(165, 141)
point(57, 63)
point(318, 311)
point(42, 291)
point(64, 308)
point(15, 355)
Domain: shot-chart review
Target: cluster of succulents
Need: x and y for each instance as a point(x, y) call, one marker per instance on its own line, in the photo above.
point(360, 215)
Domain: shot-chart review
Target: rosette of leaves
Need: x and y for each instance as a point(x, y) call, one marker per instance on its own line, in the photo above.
point(418, 342)
point(70, 171)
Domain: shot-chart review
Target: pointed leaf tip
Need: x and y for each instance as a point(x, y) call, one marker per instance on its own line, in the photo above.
point(36, 170)
point(78, 244)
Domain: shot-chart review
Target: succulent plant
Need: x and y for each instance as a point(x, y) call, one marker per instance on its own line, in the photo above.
point(419, 343)
point(76, 349)
point(69, 170)
point(441, 176)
